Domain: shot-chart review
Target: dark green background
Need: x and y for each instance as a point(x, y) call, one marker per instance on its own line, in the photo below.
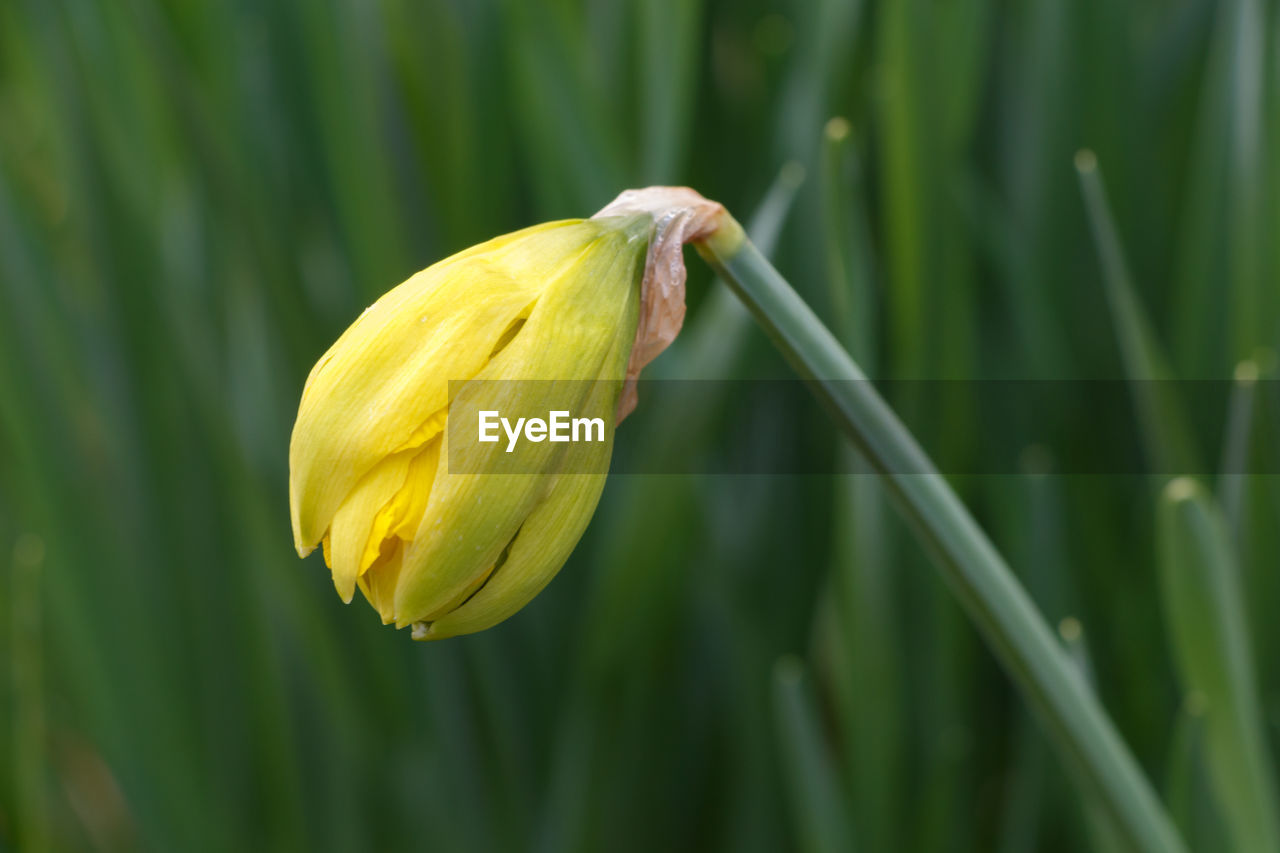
point(197, 197)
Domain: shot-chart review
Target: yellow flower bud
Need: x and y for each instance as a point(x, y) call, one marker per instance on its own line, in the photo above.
point(445, 540)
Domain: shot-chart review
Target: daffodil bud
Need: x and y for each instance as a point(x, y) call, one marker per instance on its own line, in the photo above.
point(558, 317)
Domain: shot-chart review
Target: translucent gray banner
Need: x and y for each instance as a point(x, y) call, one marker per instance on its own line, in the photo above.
point(967, 427)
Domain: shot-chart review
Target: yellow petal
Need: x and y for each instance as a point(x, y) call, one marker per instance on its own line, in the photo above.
point(469, 521)
point(378, 583)
point(388, 374)
point(411, 501)
point(544, 542)
point(580, 329)
point(352, 527)
point(390, 526)
point(549, 534)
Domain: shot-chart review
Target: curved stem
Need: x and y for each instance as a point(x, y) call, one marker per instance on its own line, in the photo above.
point(976, 572)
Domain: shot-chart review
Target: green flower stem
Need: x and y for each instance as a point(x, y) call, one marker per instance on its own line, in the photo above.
point(976, 572)
point(1207, 621)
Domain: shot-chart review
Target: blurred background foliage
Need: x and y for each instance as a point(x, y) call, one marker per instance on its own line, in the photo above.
point(197, 196)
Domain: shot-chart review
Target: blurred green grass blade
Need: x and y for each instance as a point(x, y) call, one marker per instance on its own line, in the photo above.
point(757, 784)
point(1071, 631)
point(955, 105)
point(1233, 468)
point(849, 322)
point(816, 799)
point(1186, 786)
point(1006, 239)
point(1034, 526)
point(1041, 94)
point(667, 34)
point(121, 705)
point(862, 650)
point(1100, 826)
point(864, 658)
point(509, 735)
point(908, 169)
point(995, 601)
point(1040, 527)
point(713, 341)
point(1139, 349)
point(942, 109)
point(568, 788)
point(461, 159)
point(847, 243)
point(1208, 630)
point(1182, 770)
point(1253, 302)
point(1162, 420)
point(827, 35)
point(1256, 526)
point(928, 120)
point(1272, 195)
point(27, 733)
point(960, 32)
point(1200, 316)
point(343, 71)
point(1024, 805)
point(573, 155)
